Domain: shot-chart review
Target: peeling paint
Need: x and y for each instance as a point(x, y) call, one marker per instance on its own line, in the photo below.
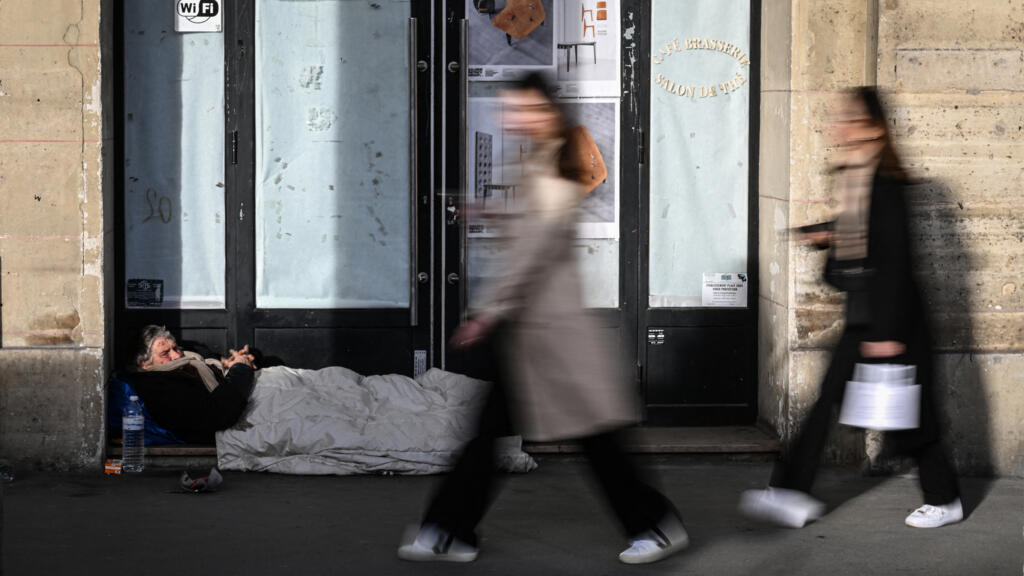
point(92, 246)
point(319, 119)
point(310, 77)
point(781, 221)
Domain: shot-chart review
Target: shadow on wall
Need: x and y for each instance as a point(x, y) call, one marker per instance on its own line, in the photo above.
point(944, 268)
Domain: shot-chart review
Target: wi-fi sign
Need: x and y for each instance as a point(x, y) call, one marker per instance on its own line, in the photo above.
point(197, 15)
point(198, 9)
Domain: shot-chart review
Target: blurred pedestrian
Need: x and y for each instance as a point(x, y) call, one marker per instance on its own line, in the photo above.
point(869, 259)
point(554, 378)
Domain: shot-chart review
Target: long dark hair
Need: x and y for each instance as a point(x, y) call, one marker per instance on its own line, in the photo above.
point(889, 164)
point(567, 167)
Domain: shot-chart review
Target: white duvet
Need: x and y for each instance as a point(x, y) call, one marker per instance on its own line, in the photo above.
point(335, 421)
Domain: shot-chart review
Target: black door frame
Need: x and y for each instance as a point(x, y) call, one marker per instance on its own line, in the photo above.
point(632, 317)
point(452, 243)
point(743, 411)
point(450, 179)
point(441, 165)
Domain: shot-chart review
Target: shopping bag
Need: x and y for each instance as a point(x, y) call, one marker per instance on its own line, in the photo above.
point(882, 397)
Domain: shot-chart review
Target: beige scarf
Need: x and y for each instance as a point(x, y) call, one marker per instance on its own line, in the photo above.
point(202, 367)
point(854, 184)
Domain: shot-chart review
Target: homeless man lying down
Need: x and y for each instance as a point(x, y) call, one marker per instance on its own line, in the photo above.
point(188, 394)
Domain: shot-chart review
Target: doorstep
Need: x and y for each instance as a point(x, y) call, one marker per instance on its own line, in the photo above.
point(187, 456)
point(170, 450)
point(717, 440)
point(722, 440)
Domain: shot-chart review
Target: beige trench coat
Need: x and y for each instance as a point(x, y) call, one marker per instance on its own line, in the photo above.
point(566, 381)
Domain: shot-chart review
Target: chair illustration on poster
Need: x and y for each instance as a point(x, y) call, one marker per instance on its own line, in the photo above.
point(591, 27)
point(508, 33)
point(584, 13)
point(586, 158)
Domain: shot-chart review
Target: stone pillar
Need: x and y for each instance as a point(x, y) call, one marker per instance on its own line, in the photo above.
point(774, 217)
point(52, 361)
point(811, 51)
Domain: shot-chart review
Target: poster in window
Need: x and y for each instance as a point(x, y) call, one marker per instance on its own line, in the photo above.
point(495, 166)
point(509, 38)
point(577, 42)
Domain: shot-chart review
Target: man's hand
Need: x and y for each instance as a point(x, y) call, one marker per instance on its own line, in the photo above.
point(884, 349)
point(239, 357)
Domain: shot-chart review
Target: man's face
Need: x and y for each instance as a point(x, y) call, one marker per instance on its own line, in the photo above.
point(164, 350)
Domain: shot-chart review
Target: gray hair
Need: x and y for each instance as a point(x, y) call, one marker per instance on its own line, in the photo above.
point(150, 334)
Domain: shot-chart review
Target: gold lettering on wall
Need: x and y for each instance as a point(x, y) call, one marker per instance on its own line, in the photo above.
point(675, 46)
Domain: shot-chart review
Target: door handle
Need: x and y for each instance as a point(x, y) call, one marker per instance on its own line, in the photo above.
point(452, 212)
point(414, 240)
point(453, 278)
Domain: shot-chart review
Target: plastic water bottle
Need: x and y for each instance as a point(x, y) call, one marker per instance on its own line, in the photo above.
point(133, 425)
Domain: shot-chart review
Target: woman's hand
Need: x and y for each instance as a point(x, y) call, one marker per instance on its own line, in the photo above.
point(884, 349)
point(472, 331)
point(818, 239)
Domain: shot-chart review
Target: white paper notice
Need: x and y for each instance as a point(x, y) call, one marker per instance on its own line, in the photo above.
point(724, 290)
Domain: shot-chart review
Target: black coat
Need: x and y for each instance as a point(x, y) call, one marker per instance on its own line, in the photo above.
point(179, 401)
point(883, 302)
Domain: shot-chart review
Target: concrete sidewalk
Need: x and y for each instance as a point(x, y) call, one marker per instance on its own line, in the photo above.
point(545, 522)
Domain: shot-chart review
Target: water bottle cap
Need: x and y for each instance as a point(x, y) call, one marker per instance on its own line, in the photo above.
point(133, 398)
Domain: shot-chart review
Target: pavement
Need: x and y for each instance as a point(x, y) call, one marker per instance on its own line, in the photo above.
point(549, 521)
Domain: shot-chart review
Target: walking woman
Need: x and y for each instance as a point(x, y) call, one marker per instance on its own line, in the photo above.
point(870, 260)
point(554, 378)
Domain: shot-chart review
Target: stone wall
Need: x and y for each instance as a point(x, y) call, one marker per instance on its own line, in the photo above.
point(952, 76)
point(52, 232)
point(955, 72)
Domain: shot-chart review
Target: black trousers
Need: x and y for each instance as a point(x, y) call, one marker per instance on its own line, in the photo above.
point(937, 477)
point(466, 492)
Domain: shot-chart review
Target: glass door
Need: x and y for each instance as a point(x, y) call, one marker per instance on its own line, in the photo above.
point(667, 243)
point(173, 237)
point(697, 316)
point(273, 188)
point(577, 45)
point(334, 213)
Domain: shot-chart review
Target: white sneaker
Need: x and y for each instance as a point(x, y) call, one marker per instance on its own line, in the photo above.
point(435, 544)
point(781, 506)
point(662, 541)
point(929, 516)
